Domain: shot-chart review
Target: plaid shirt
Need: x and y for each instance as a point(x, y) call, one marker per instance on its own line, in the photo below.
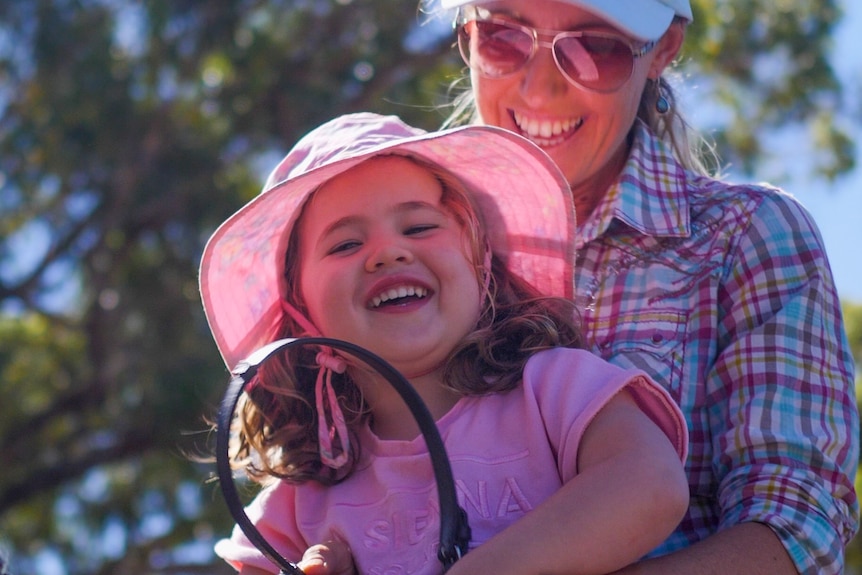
point(724, 294)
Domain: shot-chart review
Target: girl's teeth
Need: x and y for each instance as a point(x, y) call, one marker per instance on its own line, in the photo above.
point(399, 292)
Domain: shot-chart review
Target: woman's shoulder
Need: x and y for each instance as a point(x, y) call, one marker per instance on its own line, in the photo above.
point(756, 199)
point(743, 207)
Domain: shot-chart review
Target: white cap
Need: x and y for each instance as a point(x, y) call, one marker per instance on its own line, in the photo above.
point(643, 19)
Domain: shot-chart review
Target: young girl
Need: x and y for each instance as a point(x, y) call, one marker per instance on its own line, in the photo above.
point(431, 250)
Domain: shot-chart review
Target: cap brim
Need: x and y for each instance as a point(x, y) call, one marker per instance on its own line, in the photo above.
point(642, 19)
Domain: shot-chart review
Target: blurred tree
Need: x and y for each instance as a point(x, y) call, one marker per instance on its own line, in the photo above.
point(853, 324)
point(765, 66)
point(128, 131)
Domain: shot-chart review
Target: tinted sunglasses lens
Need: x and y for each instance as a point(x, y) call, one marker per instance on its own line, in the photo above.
point(494, 49)
point(595, 62)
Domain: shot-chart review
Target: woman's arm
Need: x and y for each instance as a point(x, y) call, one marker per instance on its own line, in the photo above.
point(745, 548)
point(629, 494)
point(783, 426)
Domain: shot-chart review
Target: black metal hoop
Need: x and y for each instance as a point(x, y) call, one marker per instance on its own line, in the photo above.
point(454, 528)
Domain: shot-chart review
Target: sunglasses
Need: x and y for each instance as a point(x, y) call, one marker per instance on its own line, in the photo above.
point(595, 61)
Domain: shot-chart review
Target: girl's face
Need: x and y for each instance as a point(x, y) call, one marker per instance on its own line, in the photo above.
point(384, 264)
point(584, 132)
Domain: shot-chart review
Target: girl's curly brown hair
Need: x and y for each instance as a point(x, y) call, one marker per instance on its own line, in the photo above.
point(275, 431)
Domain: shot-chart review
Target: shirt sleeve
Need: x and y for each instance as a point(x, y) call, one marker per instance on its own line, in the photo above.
point(273, 513)
point(584, 384)
point(784, 417)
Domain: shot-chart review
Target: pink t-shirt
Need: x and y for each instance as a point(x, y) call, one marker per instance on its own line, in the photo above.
point(508, 452)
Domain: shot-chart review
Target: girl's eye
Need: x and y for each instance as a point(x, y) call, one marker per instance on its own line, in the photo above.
point(343, 247)
point(419, 228)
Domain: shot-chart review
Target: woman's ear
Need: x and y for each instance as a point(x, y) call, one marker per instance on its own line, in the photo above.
point(667, 48)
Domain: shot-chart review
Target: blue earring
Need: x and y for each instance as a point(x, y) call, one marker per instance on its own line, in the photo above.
point(661, 104)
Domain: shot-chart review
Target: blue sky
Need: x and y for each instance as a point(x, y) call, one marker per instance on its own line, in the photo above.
point(836, 206)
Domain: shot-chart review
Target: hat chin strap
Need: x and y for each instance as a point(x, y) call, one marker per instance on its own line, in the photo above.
point(325, 399)
point(323, 395)
point(454, 527)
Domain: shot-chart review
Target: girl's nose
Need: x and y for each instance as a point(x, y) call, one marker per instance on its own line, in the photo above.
point(388, 253)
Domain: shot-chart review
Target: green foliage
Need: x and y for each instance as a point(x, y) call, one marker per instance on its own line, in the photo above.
point(853, 325)
point(766, 66)
point(129, 131)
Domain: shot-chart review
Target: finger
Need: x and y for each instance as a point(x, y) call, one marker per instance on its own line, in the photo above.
point(331, 558)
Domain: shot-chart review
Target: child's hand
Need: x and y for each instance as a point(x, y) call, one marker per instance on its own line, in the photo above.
point(330, 558)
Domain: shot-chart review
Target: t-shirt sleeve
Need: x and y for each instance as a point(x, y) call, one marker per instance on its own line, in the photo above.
point(273, 513)
point(571, 386)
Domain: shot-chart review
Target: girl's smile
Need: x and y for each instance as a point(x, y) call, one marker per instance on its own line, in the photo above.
point(400, 296)
point(383, 263)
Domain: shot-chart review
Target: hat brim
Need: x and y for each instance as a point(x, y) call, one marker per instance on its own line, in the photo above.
point(645, 20)
point(522, 197)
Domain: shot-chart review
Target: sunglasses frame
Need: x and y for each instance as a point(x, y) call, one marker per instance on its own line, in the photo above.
point(555, 35)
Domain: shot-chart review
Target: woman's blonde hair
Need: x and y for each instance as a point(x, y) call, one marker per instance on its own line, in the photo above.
point(689, 147)
point(275, 432)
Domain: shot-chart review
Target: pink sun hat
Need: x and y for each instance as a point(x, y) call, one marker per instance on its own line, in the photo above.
point(522, 198)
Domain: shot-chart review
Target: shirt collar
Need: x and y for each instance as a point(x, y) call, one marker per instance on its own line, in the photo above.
point(649, 195)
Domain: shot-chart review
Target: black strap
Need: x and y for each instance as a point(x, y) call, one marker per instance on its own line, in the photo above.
point(454, 528)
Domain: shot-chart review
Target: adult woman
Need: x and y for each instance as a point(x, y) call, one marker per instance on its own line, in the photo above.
point(723, 292)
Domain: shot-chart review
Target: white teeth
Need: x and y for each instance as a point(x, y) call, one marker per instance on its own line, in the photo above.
point(545, 128)
point(399, 292)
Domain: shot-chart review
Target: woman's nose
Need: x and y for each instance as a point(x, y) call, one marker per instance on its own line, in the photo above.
point(386, 253)
point(542, 80)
